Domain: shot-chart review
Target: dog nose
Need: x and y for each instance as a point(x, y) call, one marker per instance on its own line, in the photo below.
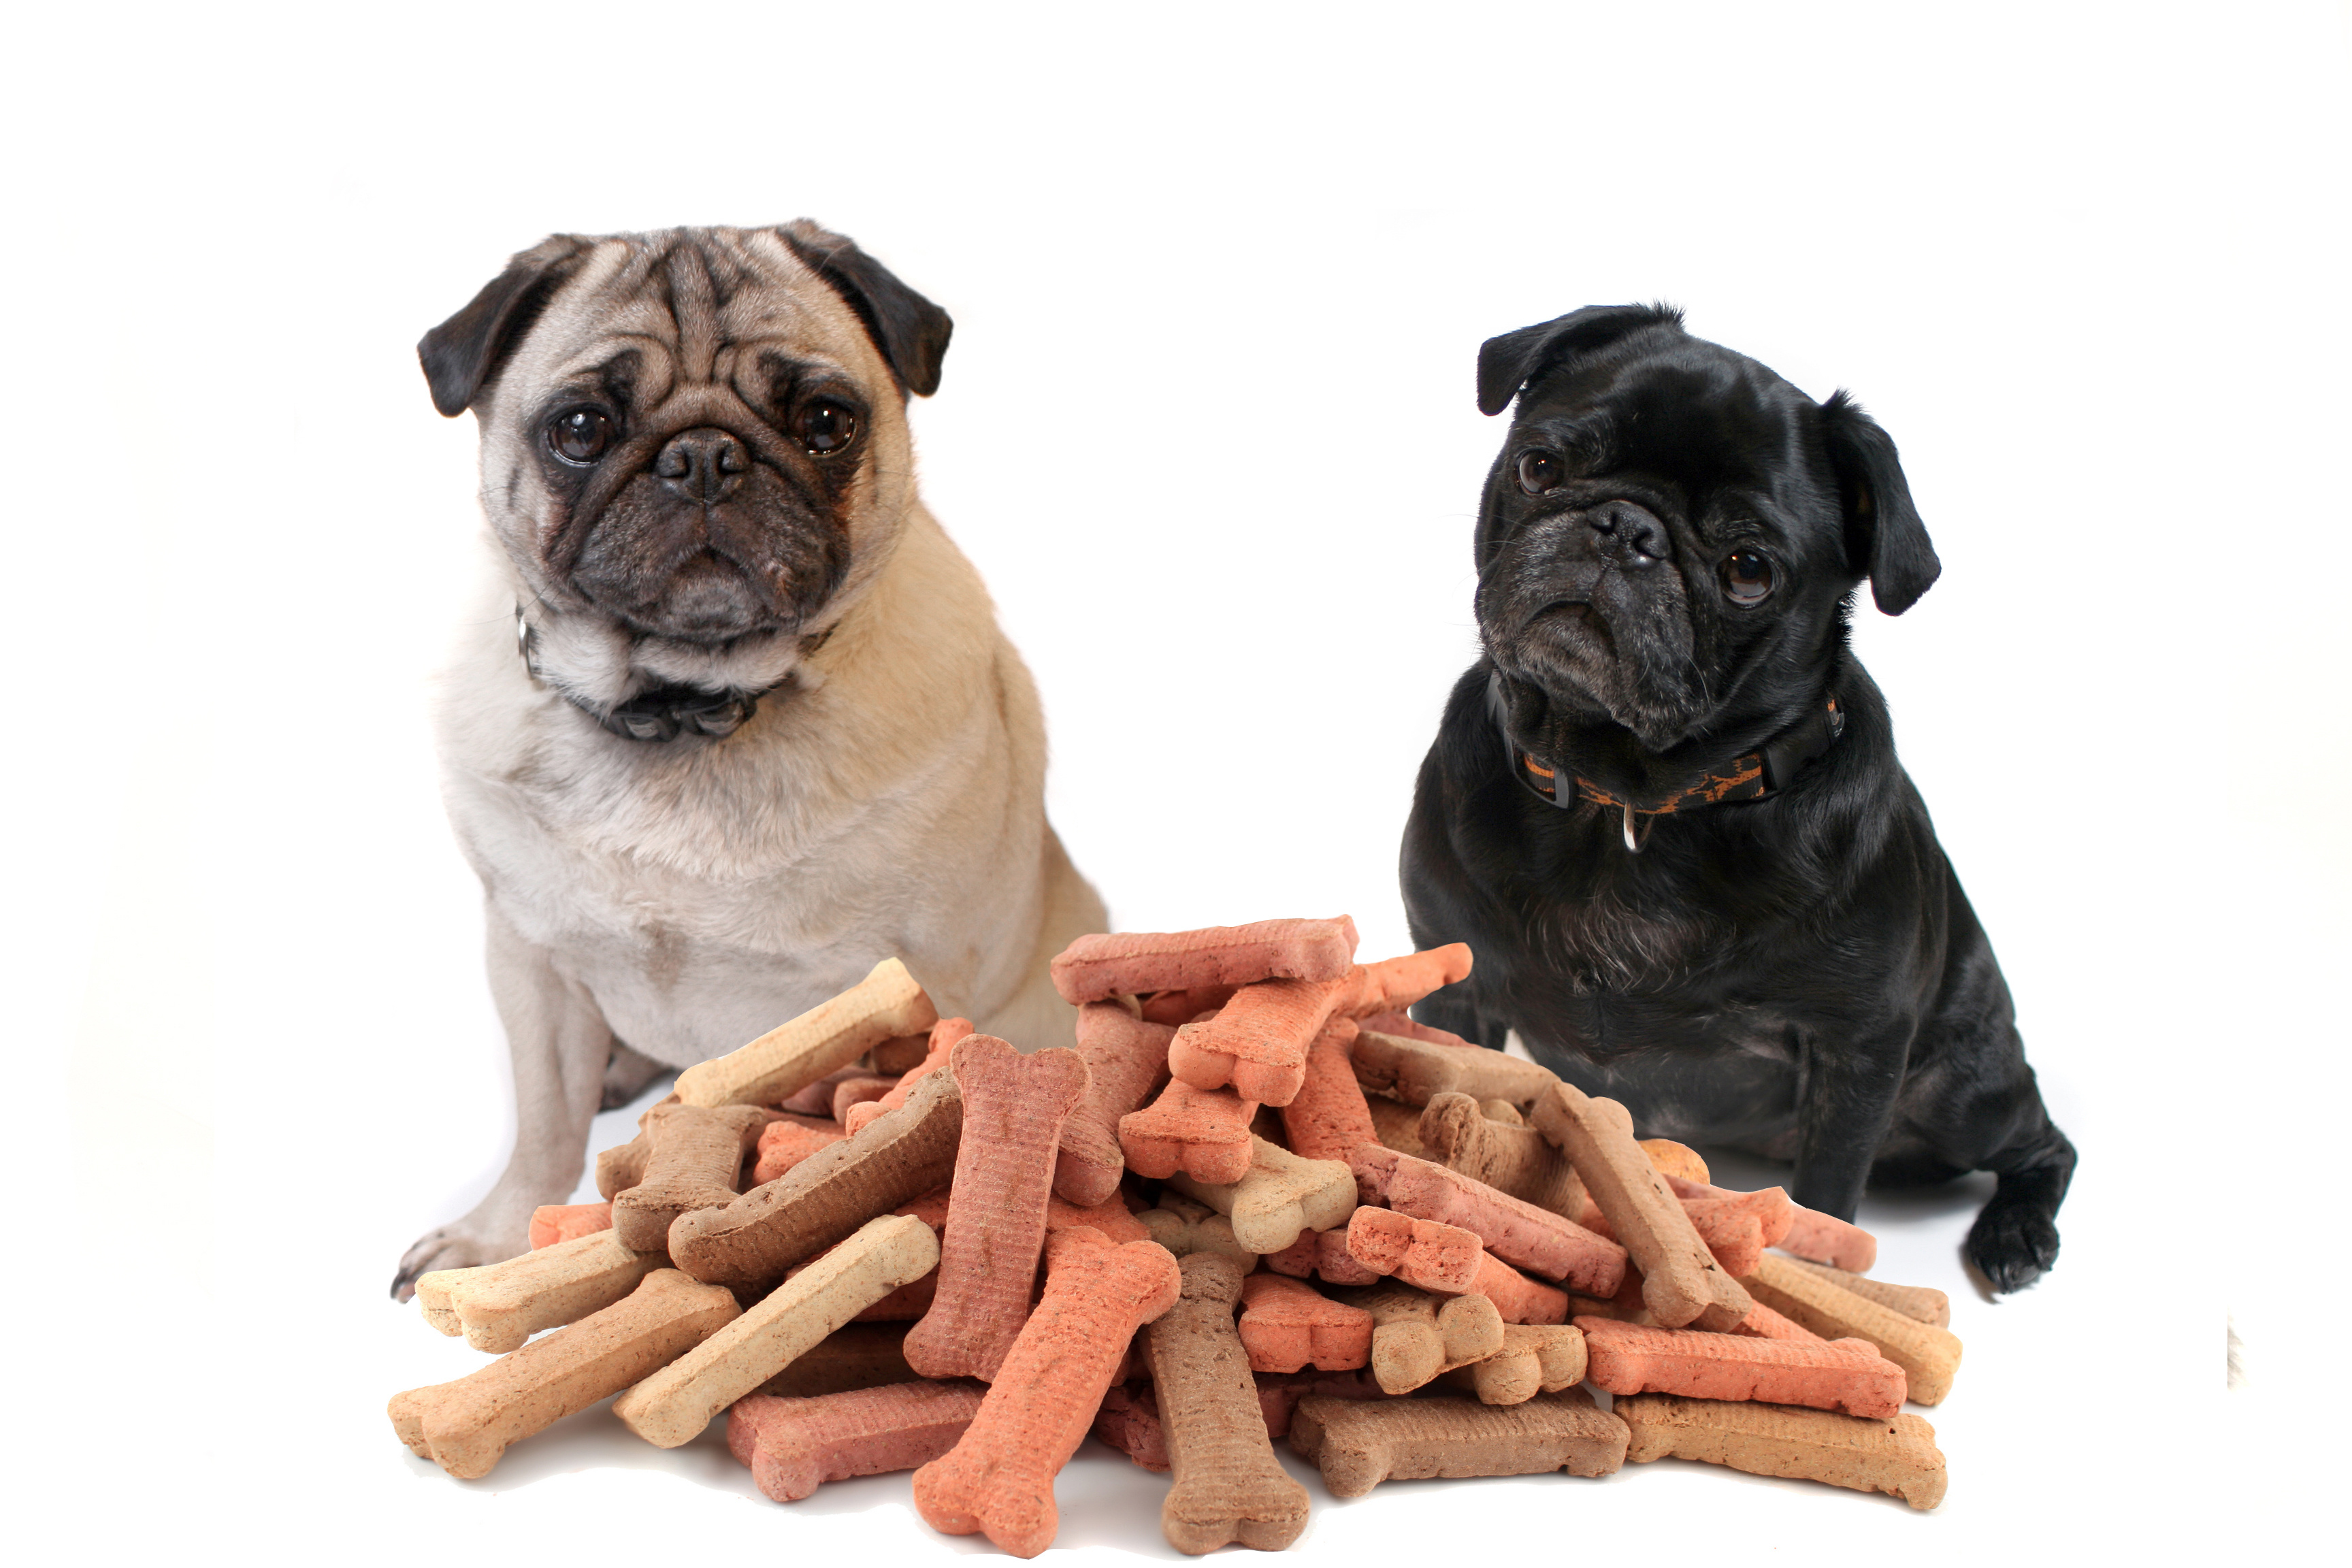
point(701, 464)
point(1631, 534)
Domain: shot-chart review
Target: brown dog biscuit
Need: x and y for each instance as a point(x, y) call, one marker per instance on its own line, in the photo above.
point(1920, 1304)
point(857, 1355)
point(1424, 1253)
point(1204, 1132)
point(551, 1223)
point(1404, 1024)
point(1416, 1072)
point(1000, 1479)
point(1929, 1356)
point(898, 1057)
point(1456, 1132)
point(1327, 1118)
point(623, 1165)
point(1537, 1240)
point(816, 1099)
point(1846, 1375)
point(1281, 1195)
point(1228, 1485)
point(1393, 984)
point(698, 1152)
point(465, 1426)
point(1184, 1227)
point(900, 1155)
point(1139, 962)
point(1127, 1059)
point(1681, 1281)
point(794, 1446)
point(1896, 1456)
point(1286, 1324)
point(825, 1039)
point(1014, 1107)
point(497, 1306)
point(1357, 1444)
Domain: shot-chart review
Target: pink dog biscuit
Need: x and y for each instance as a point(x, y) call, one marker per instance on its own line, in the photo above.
point(1681, 1281)
point(1440, 1257)
point(465, 1426)
point(1322, 1254)
point(855, 1091)
point(816, 1099)
point(1417, 1072)
point(829, 1194)
point(1281, 1195)
point(1129, 1422)
point(697, 1152)
point(1416, 1336)
point(793, 1446)
point(1920, 1304)
point(1517, 1297)
point(825, 1039)
point(1328, 1119)
point(551, 1223)
point(1258, 1042)
point(1929, 1356)
point(1134, 964)
point(1204, 1132)
point(1520, 1233)
point(1846, 1375)
point(1286, 1324)
point(783, 1145)
point(1000, 1479)
point(1014, 1107)
point(1897, 1455)
point(1176, 1007)
point(1812, 1235)
point(1735, 1228)
point(860, 1356)
point(499, 1305)
point(1359, 1444)
point(943, 1037)
point(1393, 984)
point(1228, 1485)
point(1457, 1133)
point(1126, 1059)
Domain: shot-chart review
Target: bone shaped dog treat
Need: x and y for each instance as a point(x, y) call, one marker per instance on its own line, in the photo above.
point(1014, 1107)
point(1126, 1059)
point(1517, 1297)
point(1403, 1025)
point(857, 1355)
point(1681, 1281)
point(865, 1090)
point(1416, 1071)
point(1423, 1253)
point(783, 1145)
point(1258, 1042)
point(1520, 1233)
point(465, 1426)
point(1328, 1119)
point(1281, 1195)
point(1325, 1253)
point(943, 1039)
point(697, 1154)
point(1929, 1356)
point(1812, 1235)
point(623, 1165)
point(793, 1446)
point(1393, 984)
point(902, 1054)
point(816, 1099)
point(1129, 1422)
point(1846, 1375)
point(825, 1039)
point(1359, 1444)
point(1455, 1132)
point(1135, 962)
point(900, 1154)
point(1184, 1227)
point(1535, 1359)
point(1918, 1303)
point(1415, 1336)
point(1399, 1126)
point(1286, 1324)
point(497, 1306)
point(1736, 1227)
point(1204, 1132)
point(1000, 1479)
point(1762, 1322)
point(1897, 1455)
point(676, 1402)
point(1670, 1159)
point(551, 1223)
point(1228, 1485)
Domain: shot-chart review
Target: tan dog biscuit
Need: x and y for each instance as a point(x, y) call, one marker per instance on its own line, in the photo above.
point(857, 1355)
point(1896, 1456)
point(1457, 1133)
point(1416, 1336)
point(1681, 1281)
point(1014, 1107)
point(1184, 1227)
point(825, 1039)
point(1127, 1059)
point(1520, 1233)
point(1403, 1025)
point(1359, 1444)
point(1286, 1324)
point(1535, 1359)
point(1440, 1257)
point(1327, 1118)
point(794, 1446)
point(900, 1155)
point(497, 1306)
point(943, 1039)
point(1416, 1072)
point(678, 1402)
point(1846, 1375)
point(1398, 1125)
point(1000, 1479)
point(1281, 1195)
point(1228, 1485)
point(1929, 1356)
point(1139, 962)
point(1204, 1132)
point(1920, 1304)
point(465, 1426)
point(698, 1152)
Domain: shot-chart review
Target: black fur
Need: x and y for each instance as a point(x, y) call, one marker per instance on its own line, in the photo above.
point(1800, 976)
point(911, 331)
point(463, 354)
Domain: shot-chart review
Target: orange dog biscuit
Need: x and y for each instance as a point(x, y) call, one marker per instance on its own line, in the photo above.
point(1440, 1257)
point(1669, 1158)
point(1286, 1324)
point(1812, 1235)
point(1357, 1444)
point(1518, 1298)
point(551, 1223)
point(1228, 1485)
point(1328, 1119)
point(943, 1037)
point(794, 1446)
point(1520, 1233)
point(1896, 1456)
point(1929, 1356)
point(1762, 1322)
point(825, 1038)
point(1845, 1376)
point(698, 1152)
point(1204, 1132)
point(1736, 1226)
point(1136, 964)
point(1258, 1042)
point(1393, 984)
point(1281, 1195)
point(1000, 1479)
point(783, 1145)
point(497, 1306)
point(1126, 1059)
point(1323, 1253)
point(1416, 1071)
point(1456, 1132)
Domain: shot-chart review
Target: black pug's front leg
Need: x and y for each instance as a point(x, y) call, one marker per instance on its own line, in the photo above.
point(1845, 1101)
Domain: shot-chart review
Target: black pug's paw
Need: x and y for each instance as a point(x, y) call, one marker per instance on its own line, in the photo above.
point(2014, 1240)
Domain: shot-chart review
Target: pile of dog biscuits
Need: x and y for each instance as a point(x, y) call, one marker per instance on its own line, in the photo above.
point(1258, 1201)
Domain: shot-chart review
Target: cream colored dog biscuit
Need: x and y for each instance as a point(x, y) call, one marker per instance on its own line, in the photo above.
point(1357, 1444)
point(1896, 1456)
point(1281, 1195)
point(697, 1154)
point(499, 1305)
point(1228, 1485)
point(1184, 1227)
point(465, 1426)
point(1416, 1071)
point(1127, 1059)
point(676, 1402)
point(1929, 1356)
point(822, 1040)
point(1457, 1132)
point(1919, 1302)
point(1416, 1336)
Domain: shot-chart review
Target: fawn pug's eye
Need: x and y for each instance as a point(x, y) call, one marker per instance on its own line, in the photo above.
point(581, 436)
point(824, 425)
point(1747, 577)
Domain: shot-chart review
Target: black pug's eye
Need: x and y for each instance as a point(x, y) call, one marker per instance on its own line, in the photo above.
point(581, 436)
point(1539, 471)
point(1747, 577)
point(824, 426)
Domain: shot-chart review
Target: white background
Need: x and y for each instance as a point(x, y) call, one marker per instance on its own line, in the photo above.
point(1219, 276)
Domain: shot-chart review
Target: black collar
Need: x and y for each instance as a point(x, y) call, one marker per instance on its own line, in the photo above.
point(662, 712)
point(1750, 777)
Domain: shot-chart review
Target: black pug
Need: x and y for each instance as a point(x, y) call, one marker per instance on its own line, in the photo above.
point(1664, 811)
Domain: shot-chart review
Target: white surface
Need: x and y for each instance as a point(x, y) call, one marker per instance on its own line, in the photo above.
point(1219, 278)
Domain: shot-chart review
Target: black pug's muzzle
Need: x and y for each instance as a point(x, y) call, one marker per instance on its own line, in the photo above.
point(1587, 606)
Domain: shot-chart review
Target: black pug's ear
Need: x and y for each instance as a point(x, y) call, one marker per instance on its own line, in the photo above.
point(1509, 363)
point(911, 331)
point(468, 349)
point(1884, 535)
